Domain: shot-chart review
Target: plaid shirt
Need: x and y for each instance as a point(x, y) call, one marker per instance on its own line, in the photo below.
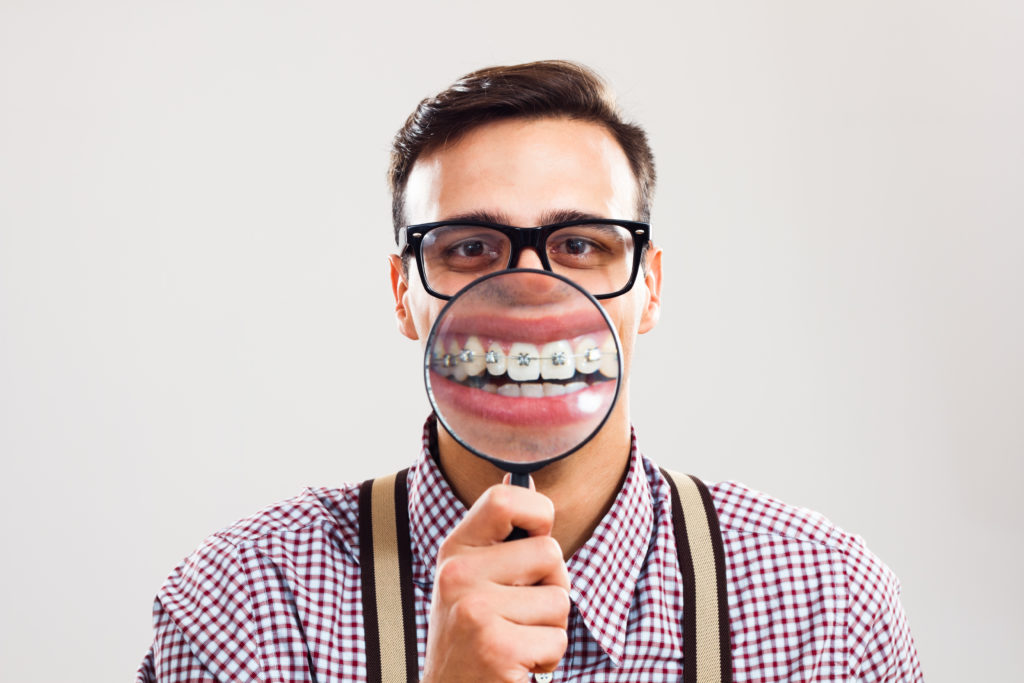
point(277, 596)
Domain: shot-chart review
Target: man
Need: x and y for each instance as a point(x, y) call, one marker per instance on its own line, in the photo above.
point(595, 592)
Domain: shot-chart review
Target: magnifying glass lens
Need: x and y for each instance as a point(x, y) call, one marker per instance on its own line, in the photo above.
point(522, 368)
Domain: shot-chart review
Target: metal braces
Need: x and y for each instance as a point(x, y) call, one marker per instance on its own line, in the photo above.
point(450, 360)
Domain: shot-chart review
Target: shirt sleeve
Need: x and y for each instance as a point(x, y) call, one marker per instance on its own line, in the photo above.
point(170, 659)
point(202, 619)
point(881, 647)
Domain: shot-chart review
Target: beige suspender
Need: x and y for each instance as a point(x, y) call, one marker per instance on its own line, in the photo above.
point(389, 615)
point(708, 572)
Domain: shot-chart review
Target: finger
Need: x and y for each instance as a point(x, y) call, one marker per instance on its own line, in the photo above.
point(534, 605)
point(539, 648)
point(529, 562)
point(526, 562)
point(500, 509)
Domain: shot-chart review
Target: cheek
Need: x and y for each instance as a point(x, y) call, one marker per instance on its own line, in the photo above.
point(424, 309)
point(626, 312)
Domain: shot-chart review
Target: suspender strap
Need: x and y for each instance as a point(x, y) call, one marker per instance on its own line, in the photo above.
point(705, 600)
point(385, 562)
point(389, 616)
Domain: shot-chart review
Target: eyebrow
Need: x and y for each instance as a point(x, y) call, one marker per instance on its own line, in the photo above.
point(555, 216)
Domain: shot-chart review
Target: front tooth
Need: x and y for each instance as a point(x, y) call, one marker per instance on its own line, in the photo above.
point(553, 389)
point(490, 388)
point(495, 359)
point(531, 390)
point(523, 362)
point(588, 356)
point(472, 357)
point(458, 369)
point(609, 359)
point(511, 390)
point(573, 387)
point(557, 361)
point(440, 367)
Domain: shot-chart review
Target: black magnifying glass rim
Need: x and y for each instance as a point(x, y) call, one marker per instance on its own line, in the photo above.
point(519, 467)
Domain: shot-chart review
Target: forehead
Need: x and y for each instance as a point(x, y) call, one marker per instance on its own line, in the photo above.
point(522, 170)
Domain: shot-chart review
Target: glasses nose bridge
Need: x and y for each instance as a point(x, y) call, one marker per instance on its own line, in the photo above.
point(527, 238)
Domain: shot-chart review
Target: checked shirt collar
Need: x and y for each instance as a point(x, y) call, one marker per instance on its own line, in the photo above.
point(603, 573)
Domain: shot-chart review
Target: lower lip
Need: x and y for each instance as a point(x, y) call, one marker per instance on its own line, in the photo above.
point(591, 404)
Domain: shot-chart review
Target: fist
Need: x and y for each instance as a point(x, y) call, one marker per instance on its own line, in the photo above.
point(499, 610)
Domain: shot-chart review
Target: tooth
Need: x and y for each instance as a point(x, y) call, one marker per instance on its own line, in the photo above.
point(508, 390)
point(609, 360)
point(438, 360)
point(471, 358)
point(532, 390)
point(458, 369)
point(495, 359)
point(588, 355)
point(573, 387)
point(557, 361)
point(553, 389)
point(490, 388)
point(523, 363)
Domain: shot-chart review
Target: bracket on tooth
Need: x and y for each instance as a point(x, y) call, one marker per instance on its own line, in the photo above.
point(450, 360)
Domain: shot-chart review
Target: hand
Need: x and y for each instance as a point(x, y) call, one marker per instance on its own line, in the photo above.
point(499, 610)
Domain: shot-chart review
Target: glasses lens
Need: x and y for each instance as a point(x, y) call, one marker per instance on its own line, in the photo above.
point(455, 255)
point(599, 258)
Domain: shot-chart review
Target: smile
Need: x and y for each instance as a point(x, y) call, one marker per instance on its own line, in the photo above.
point(520, 369)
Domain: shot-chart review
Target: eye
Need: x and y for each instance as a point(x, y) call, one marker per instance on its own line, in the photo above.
point(576, 246)
point(468, 249)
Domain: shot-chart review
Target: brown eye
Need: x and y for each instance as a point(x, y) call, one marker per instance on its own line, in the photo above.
point(470, 249)
point(575, 246)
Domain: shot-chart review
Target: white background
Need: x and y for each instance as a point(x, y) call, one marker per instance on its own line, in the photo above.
point(195, 318)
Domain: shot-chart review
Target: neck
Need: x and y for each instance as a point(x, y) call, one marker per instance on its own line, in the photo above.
point(582, 486)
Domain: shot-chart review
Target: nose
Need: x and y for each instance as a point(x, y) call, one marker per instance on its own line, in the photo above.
point(529, 258)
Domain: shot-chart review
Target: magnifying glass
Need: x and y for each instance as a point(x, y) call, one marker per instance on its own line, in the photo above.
point(522, 368)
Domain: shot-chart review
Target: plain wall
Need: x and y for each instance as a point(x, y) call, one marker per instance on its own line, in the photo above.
point(195, 317)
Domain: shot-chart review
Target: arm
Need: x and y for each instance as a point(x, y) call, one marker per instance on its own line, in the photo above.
point(882, 649)
point(170, 658)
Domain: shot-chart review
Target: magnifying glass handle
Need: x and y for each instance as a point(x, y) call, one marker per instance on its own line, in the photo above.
point(519, 479)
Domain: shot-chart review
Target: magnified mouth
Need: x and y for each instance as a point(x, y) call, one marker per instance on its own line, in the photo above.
point(522, 369)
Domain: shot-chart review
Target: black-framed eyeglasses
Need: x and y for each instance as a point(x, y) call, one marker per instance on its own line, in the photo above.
point(602, 255)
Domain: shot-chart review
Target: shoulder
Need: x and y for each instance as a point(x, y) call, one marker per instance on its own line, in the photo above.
point(772, 542)
point(746, 513)
point(334, 510)
point(242, 581)
point(317, 524)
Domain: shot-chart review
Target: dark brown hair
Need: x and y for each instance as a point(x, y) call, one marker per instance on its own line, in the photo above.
point(535, 90)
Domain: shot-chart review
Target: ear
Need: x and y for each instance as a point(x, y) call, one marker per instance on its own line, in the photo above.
point(400, 288)
point(652, 278)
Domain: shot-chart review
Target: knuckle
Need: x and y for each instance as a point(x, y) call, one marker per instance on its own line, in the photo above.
point(552, 550)
point(472, 611)
point(548, 552)
point(499, 500)
point(447, 548)
point(451, 574)
point(561, 642)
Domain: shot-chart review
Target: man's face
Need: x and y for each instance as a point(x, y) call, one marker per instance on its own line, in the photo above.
point(526, 173)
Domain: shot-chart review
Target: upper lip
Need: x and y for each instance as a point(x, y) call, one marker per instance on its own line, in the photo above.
point(535, 329)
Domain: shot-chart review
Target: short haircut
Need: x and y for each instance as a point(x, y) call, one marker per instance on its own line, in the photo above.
point(534, 90)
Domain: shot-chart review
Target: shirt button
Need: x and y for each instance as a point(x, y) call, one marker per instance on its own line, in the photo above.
point(543, 678)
